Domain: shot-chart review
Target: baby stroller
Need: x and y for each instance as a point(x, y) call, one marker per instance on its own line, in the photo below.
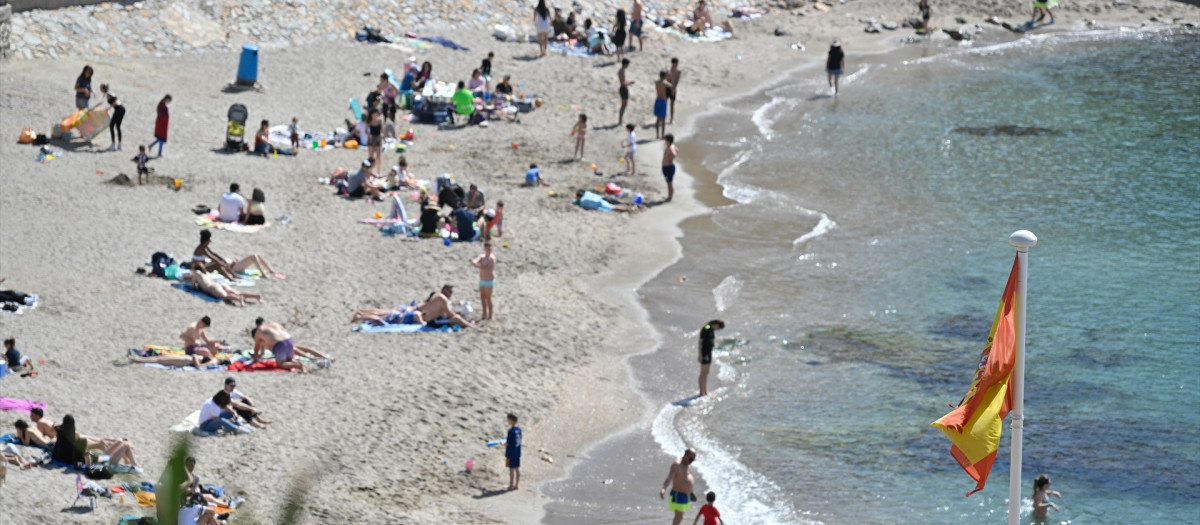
point(235, 134)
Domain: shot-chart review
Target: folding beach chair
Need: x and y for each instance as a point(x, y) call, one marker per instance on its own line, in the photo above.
point(79, 493)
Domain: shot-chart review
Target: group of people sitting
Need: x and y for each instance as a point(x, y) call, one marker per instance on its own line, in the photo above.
point(200, 350)
point(230, 411)
point(366, 182)
point(436, 312)
point(199, 503)
point(67, 446)
point(470, 218)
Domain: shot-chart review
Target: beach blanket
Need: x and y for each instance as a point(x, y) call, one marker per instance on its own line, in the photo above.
point(445, 42)
point(188, 288)
point(154, 350)
point(239, 361)
point(12, 439)
point(262, 365)
point(209, 220)
point(192, 421)
point(96, 121)
point(282, 135)
point(571, 50)
point(712, 34)
point(19, 405)
point(401, 328)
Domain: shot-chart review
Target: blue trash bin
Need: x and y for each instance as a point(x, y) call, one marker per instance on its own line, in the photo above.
point(248, 66)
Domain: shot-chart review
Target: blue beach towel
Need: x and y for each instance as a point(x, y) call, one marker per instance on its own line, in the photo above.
point(401, 328)
point(569, 50)
point(195, 292)
point(445, 42)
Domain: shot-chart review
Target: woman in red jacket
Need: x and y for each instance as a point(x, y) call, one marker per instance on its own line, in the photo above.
point(160, 125)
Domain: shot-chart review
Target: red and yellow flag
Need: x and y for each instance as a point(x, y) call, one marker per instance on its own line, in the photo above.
point(975, 426)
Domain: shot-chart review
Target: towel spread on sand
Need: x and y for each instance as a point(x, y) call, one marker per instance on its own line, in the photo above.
point(239, 361)
point(570, 50)
point(445, 42)
point(712, 34)
point(209, 220)
point(190, 422)
point(188, 288)
point(401, 328)
point(19, 405)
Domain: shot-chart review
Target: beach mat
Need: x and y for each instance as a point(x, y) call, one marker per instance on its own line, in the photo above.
point(564, 48)
point(192, 421)
point(209, 220)
point(185, 287)
point(262, 365)
point(19, 405)
point(400, 328)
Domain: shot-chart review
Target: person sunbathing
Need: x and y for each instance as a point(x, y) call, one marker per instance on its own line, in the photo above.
point(44, 424)
point(283, 347)
point(594, 201)
point(205, 259)
point(195, 360)
point(15, 459)
point(402, 314)
point(437, 309)
point(205, 283)
point(71, 447)
point(30, 436)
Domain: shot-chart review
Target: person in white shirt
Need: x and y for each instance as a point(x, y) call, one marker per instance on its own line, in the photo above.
point(630, 144)
point(216, 414)
point(233, 206)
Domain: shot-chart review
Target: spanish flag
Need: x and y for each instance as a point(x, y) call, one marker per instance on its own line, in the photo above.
point(975, 426)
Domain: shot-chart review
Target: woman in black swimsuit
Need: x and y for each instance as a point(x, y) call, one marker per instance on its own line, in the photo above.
point(707, 337)
point(114, 120)
point(618, 38)
point(375, 140)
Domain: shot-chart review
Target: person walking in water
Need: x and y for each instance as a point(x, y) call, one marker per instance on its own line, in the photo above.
point(834, 64)
point(707, 337)
point(680, 481)
point(161, 123)
point(1041, 491)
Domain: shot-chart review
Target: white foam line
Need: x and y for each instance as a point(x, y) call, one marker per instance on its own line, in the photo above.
point(760, 116)
point(823, 226)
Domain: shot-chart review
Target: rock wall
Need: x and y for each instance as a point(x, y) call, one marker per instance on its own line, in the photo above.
point(5, 31)
point(19, 6)
point(171, 28)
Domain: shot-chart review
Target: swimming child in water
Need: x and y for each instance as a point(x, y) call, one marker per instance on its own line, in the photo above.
point(1041, 489)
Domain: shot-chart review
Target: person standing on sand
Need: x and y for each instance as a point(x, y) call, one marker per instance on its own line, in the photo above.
point(635, 23)
point(668, 164)
point(619, 34)
point(161, 123)
point(486, 264)
point(630, 144)
point(541, 19)
point(834, 64)
point(926, 14)
point(623, 90)
point(512, 452)
point(681, 481)
point(118, 116)
point(673, 75)
point(707, 337)
point(83, 88)
point(196, 342)
point(662, 90)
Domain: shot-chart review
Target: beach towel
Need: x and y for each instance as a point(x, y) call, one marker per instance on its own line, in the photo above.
point(445, 42)
point(401, 328)
point(187, 288)
point(19, 405)
point(712, 34)
point(209, 220)
point(263, 365)
point(190, 422)
point(571, 50)
point(154, 350)
point(283, 134)
point(12, 439)
point(96, 121)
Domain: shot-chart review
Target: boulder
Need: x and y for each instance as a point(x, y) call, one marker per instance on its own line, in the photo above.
point(866, 20)
point(873, 28)
point(889, 25)
point(780, 31)
point(913, 22)
point(960, 19)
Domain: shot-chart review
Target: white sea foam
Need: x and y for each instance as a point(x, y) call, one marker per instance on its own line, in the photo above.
point(726, 292)
point(823, 226)
point(760, 118)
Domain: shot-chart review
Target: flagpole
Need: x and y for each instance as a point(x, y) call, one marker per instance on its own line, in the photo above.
point(1022, 240)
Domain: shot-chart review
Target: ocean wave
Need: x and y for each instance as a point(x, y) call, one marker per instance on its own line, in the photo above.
point(823, 226)
point(760, 119)
point(726, 292)
point(743, 492)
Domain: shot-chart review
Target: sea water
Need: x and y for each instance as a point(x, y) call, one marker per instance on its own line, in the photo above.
point(857, 253)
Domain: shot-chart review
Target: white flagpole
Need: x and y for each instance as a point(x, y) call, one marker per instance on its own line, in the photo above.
point(1023, 240)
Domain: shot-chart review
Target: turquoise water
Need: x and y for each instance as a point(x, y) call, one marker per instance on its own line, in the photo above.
point(858, 261)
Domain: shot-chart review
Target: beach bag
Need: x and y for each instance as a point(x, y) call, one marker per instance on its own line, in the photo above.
point(159, 263)
point(41, 140)
point(97, 472)
point(27, 136)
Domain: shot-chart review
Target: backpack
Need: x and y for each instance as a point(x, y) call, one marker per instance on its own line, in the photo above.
point(97, 472)
point(159, 263)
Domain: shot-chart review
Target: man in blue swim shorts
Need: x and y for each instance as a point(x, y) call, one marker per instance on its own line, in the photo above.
point(661, 93)
point(668, 164)
point(635, 22)
point(680, 480)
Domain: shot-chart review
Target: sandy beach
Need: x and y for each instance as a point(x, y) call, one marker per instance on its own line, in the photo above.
point(382, 435)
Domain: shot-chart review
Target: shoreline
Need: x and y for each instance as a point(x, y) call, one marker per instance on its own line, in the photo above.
point(889, 51)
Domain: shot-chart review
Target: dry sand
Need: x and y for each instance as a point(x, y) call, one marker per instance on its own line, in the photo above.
point(382, 434)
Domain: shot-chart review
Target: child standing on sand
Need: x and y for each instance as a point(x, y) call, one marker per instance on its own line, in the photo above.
point(141, 159)
point(630, 145)
point(1041, 489)
point(294, 131)
point(580, 133)
point(512, 452)
point(712, 516)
